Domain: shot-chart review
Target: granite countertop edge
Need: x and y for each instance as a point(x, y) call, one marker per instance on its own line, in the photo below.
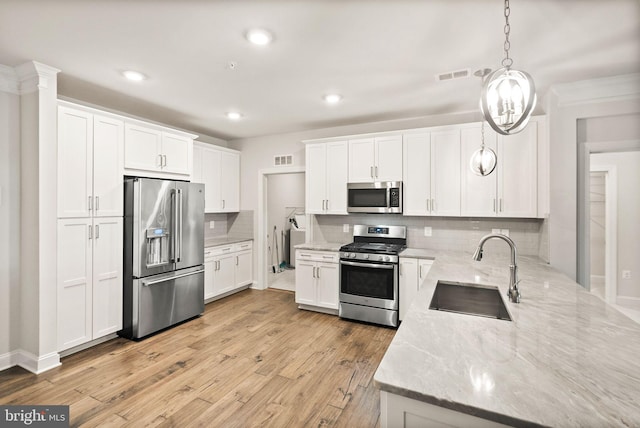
point(224, 240)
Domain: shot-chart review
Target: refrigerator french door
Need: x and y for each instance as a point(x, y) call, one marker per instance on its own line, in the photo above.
point(163, 254)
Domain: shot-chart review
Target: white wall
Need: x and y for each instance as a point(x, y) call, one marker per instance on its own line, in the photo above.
point(597, 221)
point(9, 219)
point(628, 217)
point(284, 193)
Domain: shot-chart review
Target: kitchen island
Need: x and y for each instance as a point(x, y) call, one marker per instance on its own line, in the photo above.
point(566, 358)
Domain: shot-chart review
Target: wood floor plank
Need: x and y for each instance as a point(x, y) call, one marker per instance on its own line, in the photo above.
point(252, 359)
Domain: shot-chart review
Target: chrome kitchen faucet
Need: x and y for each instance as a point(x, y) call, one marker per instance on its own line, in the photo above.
point(514, 293)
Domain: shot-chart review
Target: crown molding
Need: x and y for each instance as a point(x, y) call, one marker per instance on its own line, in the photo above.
point(626, 86)
point(33, 76)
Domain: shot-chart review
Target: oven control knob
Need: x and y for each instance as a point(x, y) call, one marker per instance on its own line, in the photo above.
point(352, 255)
point(366, 256)
point(387, 258)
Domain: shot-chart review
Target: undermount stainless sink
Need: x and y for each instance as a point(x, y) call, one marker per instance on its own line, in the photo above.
point(470, 299)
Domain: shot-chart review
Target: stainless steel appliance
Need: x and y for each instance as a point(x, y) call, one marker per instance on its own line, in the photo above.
point(163, 254)
point(378, 197)
point(369, 274)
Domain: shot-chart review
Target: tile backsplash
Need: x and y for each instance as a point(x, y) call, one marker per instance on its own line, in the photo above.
point(237, 225)
point(447, 233)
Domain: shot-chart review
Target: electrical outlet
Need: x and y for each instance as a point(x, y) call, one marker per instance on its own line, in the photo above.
point(427, 231)
point(626, 274)
point(211, 224)
point(345, 228)
point(505, 232)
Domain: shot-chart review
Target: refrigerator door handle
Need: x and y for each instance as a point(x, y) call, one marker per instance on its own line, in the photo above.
point(179, 224)
point(174, 226)
point(170, 278)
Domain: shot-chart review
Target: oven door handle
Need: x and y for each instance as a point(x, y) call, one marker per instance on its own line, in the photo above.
point(368, 265)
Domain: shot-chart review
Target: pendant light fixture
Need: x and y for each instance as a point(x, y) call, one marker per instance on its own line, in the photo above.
point(508, 96)
point(483, 161)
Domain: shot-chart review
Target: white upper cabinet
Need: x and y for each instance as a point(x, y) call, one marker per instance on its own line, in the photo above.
point(326, 178)
point(432, 173)
point(511, 190)
point(90, 164)
point(156, 151)
point(375, 159)
point(219, 169)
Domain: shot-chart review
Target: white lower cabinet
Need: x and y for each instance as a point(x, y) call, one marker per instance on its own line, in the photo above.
point(89, 279)
point(227, 268)
point(413, 272)
point(317, 279)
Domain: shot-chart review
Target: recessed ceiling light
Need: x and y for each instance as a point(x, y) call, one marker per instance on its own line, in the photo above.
point(234, 115)
point(332, 98)
point(259, 36)
point(136, 76)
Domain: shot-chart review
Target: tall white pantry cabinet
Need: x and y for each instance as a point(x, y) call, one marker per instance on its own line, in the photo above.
point(90, 209)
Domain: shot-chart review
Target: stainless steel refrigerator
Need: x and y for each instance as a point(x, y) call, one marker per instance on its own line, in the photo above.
point(163, 254)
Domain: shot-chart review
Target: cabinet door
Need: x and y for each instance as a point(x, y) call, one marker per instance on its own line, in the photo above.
point(518, 173)
point(316, 178)
point(107, 276)
point(305, 282)
point(74, 282)
point(424, 266)
point(328, 285)
point(211, 179)
point(336, 177)
point(75, 136)
point(388, 166)
point(361, 160)
point(196, 172)
point(230, 181)
point(408, 286)
point(108, 166)
point(224, 277)
point(445, 173)
point(416, 174)
point(477, 193)
point(209, 274)
point(176, 149)
point(244, 268)
point(142, 148)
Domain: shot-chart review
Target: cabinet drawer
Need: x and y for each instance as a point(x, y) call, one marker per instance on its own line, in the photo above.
point(219, 250)
point(243, 246)
point(317, 256)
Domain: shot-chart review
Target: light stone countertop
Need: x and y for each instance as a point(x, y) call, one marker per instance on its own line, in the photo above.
point(319, 246)
point(223, 240)
point(566, 360)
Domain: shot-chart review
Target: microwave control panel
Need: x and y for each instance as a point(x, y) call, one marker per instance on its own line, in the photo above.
point(394, 197)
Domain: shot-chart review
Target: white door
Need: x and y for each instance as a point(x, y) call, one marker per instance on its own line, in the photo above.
point(75, 136)
point(305, 282)
point(445, 173)
point(316, 178)
point(108, 166)
point(142, 148)
point(107, 276)
point(361, 160)
point(408, 286)
point(209, 274)
point(388, 166)
point(327, 280)
point(477, 193)
point(196, 174)
point(244, 265)
point(224, 278)
point(424, 266)
point(175, 149)
point(75, 237)
point(518, 174)
point(230, 181)
point(416, 174)
point(211, 179)
point(336, 177)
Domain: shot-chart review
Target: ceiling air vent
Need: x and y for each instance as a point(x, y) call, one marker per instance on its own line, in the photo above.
point(450, 75)
point(283, 160)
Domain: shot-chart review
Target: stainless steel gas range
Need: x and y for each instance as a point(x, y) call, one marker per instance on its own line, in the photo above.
point(369, 274)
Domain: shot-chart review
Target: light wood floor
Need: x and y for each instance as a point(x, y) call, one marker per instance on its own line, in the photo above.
point(253, 359)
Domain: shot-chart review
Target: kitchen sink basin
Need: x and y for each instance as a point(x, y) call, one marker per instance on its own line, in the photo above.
point(470, 299)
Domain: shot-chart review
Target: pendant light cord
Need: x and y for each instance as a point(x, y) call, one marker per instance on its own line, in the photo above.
point(507, 62)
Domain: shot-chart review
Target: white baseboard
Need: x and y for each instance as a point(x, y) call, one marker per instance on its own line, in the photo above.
point(9, 360)
point(29, 362)
point(629, 302)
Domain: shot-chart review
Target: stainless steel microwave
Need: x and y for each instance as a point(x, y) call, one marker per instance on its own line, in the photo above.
point(378, 197)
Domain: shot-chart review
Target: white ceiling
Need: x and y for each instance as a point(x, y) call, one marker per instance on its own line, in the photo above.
point(382, 56)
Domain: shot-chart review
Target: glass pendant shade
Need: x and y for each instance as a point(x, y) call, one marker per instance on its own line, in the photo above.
point(508, 99)
point(483, 161)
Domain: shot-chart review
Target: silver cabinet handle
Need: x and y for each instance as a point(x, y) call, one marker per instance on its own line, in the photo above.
point(97, 203)
point(160, 158)
point(327, 204)
point(90, 203)
point(433, 204)
point(226, 250)
point(367, 265)
point(501, 207)
point(313, 272)
point(90, 232)
point(371, 172)
point(376, 169)
point(318, 272)
point(223, 203)
point(164, 157)
point(420, 275)
point(97, 231)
